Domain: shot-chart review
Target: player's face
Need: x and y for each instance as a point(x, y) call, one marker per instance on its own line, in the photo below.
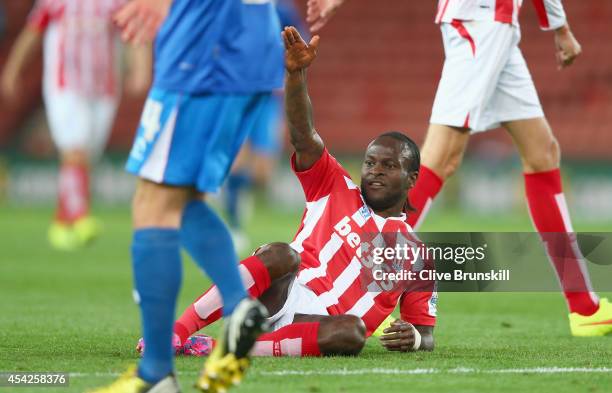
point(385, 179)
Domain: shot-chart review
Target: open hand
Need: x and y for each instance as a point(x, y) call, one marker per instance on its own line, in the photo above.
point(567, 47)
point(399, 336)
point(139, 20)
point(298, 54)
point(319, 12)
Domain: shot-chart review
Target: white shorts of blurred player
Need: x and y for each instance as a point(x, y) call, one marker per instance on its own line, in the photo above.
point(485, 80)
point(78, 122)
point(300, 300)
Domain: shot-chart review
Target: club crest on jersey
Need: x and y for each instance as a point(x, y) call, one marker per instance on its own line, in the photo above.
point(365, 212)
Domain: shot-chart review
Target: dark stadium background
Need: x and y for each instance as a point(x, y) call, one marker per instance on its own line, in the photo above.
point(377, 70)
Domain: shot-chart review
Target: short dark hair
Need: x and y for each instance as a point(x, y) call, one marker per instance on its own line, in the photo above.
point(415, 154)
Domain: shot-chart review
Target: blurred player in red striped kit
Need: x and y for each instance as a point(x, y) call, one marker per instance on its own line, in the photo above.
point(81, 90)
point(486, 84)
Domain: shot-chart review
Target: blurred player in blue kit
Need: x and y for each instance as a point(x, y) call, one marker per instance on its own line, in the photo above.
point(256, 161)
point(216, 64)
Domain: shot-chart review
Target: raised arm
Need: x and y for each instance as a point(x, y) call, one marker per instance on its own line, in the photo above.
point(304, 138)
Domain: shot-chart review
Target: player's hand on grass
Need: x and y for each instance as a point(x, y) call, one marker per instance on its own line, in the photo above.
point(139, 20)
point(567, 47)
point(400, 336)
point(298, 54)
point(319, 12)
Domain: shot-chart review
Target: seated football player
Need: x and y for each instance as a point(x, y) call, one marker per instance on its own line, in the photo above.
point(314, 288)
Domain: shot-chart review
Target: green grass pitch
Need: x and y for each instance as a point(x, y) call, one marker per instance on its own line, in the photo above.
point(74, 312)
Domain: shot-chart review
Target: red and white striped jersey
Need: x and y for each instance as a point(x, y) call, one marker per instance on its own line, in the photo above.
point(335, 222)
point(81, 44)
point(550, 12)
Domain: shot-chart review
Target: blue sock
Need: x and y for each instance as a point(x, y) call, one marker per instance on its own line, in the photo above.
point(236, 183)
point(156, 261)
point(209, 243)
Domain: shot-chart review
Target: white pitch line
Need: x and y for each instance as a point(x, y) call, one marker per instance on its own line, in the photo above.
point(395, 371)
point(417, 371)
point(550, 370)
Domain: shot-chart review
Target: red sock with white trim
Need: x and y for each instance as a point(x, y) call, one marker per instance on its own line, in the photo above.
point(421, 196)
point(297, 339)
point(551, 219)
point(208, 307)
point(73, 193)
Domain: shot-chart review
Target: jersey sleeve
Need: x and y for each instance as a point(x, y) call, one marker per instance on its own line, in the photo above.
point(319, 180)
point(419, 308)
point(550, 14)
point(40, 16)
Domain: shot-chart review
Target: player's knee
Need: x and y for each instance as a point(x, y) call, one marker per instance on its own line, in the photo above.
point(144, 213)
point(279, 258)
point(342, 335)
point(445, 166)
point(156, 206)
point(451, 167)
point(140, 202)
point(443, 149)
point(553, 153)
point(545, 158)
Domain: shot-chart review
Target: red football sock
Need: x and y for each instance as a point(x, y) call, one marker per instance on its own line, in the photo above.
point(551, 218)
point(421, 196)
point(297, 339)
point(73, 195)
point(208, 307)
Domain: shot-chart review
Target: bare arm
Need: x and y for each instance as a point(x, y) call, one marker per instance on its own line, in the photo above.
point(400, 337)
point(551, 16)
point(303, 136)
point(139, 68)
point(25, 47)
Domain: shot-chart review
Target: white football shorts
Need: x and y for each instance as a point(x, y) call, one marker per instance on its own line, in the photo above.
point(300, 300)
point(485, 80)
point(79, 122)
